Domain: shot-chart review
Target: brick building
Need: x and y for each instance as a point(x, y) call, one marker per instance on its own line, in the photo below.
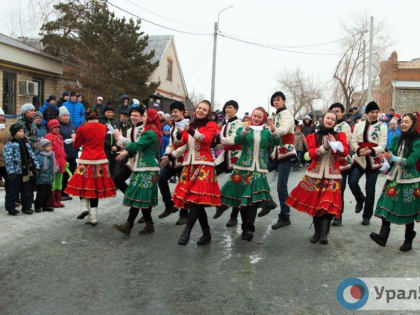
point(399, 85)
point(28, 75)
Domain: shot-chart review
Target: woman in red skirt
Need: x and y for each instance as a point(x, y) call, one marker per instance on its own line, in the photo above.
point(197, 187)
point(92, 180)
point(319, 193)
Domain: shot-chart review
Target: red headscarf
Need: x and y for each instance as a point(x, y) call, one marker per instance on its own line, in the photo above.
point(153, 123)
point(261, 109)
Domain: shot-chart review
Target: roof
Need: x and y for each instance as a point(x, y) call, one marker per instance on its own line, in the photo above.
point(18, 44)
point(158, 43)
point(406, 84)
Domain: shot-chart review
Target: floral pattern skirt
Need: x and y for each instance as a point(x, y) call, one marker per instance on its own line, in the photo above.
point(91, 181)
point(245, 188)
point(142, 191)
point(399, 203)
point(317, 196)
point(197, 184)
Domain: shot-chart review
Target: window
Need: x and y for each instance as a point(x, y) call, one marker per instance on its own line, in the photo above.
point(169, 74)
point(9, 92)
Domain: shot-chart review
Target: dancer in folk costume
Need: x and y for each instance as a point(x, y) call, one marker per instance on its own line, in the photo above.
point(171, 162)
point(197, 187)
point(368, 142)
point(345, 161)
point(247, 188)
point(231, 151)
point(142, 191)
point(282, 155)
point(319, 193)
point(399, 202)
point(92, 180)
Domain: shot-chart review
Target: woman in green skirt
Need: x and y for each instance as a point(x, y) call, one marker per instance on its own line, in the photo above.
point(142, 191)
point(247, 187)
point(399, 202)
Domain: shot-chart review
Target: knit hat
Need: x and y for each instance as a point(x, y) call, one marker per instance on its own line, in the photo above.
point(65, 93)
point(177, 105)
point(73, 93)
point(135, 101)
point(277, 94)
point(307, 117)
point(26, 108)
point(100, 98)
point(394, 121)
point(109, 107)
point(371, 106)
point(1, 112)
point(51, 97)
point(124, 97)
point(160, 113)
point(53, 123)
point(15, 128)
point(43, 142)
point(63, 111)
point(124, 111)
point(230, 103)
point(166, 128)
point(37, 115)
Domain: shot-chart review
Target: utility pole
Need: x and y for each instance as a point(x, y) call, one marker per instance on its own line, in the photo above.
point(364, 65)
point(370, 61)
point(213, 71)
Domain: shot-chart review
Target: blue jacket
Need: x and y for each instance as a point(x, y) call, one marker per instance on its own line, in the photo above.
point(51, 113)
point(163, 145)
point(77, 112)
point(12, 158)
point(66, 130)
point(41, 131)
point(391, 135)
point(45, 176)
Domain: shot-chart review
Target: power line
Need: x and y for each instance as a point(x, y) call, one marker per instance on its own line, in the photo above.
point(164, 17)
point(157, 24)
point(276, 48)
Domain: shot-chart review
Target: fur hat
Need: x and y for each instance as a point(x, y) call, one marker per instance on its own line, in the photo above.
point(177, 105)
point(26, 108)
point(371, 106)
point(230, 103)
point(15, 128)
point(277, 94)
point(63, 111)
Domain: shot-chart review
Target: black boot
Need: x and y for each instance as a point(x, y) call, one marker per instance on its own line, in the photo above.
point(382, 237)
point(324, 229)
point(337, 222)
point(169, 209)
point(219, 211)
point(359, 206)
point(38, 209)
point(410, 234)
point(47, 209)
point(141, 220)
point(267, 206)
point(206, 237)
point(185, 236)
point(282, 222)
point(13, 212)
point(27, 211)
point(247, 235)
point(315, 237)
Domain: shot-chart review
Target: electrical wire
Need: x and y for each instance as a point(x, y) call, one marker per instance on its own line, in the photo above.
point(157, 24)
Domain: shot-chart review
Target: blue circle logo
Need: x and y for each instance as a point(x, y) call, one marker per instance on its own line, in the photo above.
point(352, 293)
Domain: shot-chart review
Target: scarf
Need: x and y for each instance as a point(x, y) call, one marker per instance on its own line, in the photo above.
point(264, 119)
point(409, 137)
point(48, 156)
point(26, 160)
point(197, 123)
point(323, 131)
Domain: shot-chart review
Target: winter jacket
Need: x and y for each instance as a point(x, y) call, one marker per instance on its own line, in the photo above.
point(92, 137)
point(57, 145)
point(121, 107)
point(99, 108)
point(12, 158)
point(391, 135)
point(109, 138)
point(5, 137)
point(299, 146)
point(45, 176)
point(404, 170)
point(163, 145)
point(30, 129)
point(124, 127)
point(308, 128)
point(41, 131)
point(285, 128)
point(61, 102)
point(77, 112)
point(66, 130)
point(49, 112)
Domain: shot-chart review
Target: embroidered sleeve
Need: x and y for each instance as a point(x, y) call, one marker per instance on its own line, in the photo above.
point(145, 140)
point(285, 123)
point(241, 134)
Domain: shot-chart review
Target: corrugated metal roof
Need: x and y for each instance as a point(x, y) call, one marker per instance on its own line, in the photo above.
point(18, 44)
point(406, 84)
point(158, 43)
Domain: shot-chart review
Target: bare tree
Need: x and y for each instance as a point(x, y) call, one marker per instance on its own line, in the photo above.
point(196, 98)
point(25, 17)
point(352, 67)
point(301, 89)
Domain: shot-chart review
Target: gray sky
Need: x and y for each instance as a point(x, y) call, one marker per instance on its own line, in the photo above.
point(246, 73)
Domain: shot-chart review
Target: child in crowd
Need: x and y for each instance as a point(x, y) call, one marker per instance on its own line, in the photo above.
point(41, 130)
point(57, 144)
point(299, 146)
point(164, 140)
point(45, 177)
point(21, 165)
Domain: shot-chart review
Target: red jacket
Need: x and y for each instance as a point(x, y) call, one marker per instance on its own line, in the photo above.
point(57, 145)
point(198, 147)
point(92, 137)
point(325, 164)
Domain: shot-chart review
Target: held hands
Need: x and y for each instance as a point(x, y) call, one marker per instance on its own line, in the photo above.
point(387, 155)
point(365, 151)
point(117, 134)
point(164, 160)
point(121, 155)
point(271, 126)
point(114, 148)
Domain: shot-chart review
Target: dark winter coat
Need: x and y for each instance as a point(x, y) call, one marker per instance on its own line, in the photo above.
point(66, 130)
point(49, 112)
